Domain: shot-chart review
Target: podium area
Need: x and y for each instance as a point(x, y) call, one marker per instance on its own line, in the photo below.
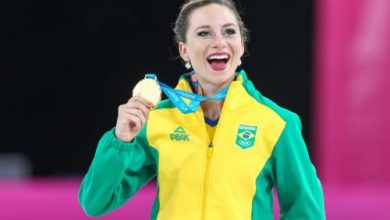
point(56, 198)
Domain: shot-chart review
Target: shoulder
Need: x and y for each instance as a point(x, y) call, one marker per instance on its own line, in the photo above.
point(285, 114)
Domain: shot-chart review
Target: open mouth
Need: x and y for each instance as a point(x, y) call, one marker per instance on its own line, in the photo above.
point(218, 62)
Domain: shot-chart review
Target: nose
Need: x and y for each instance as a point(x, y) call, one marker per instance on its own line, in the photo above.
point(219, 41)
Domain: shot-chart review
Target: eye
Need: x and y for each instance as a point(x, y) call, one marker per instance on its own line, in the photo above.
point(204, 33)
point(230, 31)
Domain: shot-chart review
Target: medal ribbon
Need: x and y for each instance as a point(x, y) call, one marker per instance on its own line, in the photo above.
point(176, 96)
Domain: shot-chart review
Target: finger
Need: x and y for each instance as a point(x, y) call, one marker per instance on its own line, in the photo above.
point(141, 107)
point(142, 100)
point(138, 114)
point(124, 113)
point(133, 120)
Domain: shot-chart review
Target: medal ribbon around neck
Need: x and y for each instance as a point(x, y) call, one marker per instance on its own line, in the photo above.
point(176, 96)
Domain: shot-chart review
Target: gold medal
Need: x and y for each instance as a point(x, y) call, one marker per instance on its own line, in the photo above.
point(148, 89)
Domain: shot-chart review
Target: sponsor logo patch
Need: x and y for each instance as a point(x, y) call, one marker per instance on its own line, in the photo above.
point(179, 135)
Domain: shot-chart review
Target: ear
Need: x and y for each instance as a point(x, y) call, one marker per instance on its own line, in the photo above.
point(183, 51)
point(243, 48)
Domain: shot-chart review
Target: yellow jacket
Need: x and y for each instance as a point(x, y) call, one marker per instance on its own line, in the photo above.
point(257, 145)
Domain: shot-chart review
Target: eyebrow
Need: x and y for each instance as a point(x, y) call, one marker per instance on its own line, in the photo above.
point(208, 26)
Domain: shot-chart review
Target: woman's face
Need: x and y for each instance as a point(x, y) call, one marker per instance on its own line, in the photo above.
point(214, 44)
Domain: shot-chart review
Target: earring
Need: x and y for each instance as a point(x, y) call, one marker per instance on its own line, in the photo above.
point(188, 65)
point(239, 62)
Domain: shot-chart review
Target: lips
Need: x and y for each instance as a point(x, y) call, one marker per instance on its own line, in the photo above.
point(218, 61)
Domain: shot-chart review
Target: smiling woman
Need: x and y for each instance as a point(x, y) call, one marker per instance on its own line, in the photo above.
point(214, 46)
point(220, 161)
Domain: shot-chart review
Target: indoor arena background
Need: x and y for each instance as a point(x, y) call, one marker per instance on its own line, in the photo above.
point(66, 66)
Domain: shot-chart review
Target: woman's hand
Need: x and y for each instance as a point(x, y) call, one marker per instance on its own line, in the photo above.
point(132, 117)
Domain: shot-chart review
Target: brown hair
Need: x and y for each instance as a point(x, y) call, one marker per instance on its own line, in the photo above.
point(181, 24)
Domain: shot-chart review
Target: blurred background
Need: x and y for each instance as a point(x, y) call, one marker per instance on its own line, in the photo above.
point(67, 65)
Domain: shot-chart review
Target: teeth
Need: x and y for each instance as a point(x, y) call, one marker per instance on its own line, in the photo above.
point(219, 57)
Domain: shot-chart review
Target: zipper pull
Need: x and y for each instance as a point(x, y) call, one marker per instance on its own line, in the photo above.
point(210, 150)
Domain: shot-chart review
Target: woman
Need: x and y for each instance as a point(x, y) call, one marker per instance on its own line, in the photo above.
point(219, 162)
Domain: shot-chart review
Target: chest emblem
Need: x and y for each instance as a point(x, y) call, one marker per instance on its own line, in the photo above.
point(179, 135)
point(246, 136)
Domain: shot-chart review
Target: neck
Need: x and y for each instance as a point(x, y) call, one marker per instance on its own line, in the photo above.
point(212, 109)
point(210, 89)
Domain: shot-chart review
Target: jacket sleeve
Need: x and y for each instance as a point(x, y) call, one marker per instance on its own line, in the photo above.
point(117, 171)
point(299, 189)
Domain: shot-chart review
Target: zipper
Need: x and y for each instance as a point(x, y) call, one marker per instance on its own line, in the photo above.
point(210, 150)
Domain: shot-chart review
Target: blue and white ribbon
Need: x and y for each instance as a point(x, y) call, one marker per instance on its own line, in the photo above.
point(176, 96)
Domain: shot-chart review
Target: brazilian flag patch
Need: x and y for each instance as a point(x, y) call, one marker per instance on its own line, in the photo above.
point(246, 136)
